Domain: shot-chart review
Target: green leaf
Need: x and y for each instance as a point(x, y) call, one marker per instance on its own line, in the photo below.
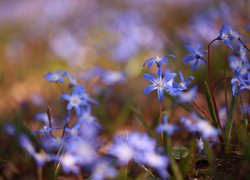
point(211, 106)
point(229, 123)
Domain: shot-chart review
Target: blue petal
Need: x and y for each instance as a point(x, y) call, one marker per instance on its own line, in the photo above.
point(190, 49)
point(149, 77)
point(169, 76)
point(194, 65)
point(150, 88)
point(188, 58)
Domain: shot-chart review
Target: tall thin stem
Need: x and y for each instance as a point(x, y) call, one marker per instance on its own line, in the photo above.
point(199, 108)
point(225, 83)
point(39, 173)
point(210, 82)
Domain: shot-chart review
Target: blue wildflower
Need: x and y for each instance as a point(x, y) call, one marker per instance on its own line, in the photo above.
point(160, 83)
point(55, 77)
point(183, 84)
point(84, 151)
point(9, 129)
point(78, 99)
point(240, 83)
point(27, 145)
point(69, 163)
point(42, 117)
point(157, 161)
point(72, 80)
point(102, 170)
point(159, 61)
point(196, 124)
point(141, 142)
point(196, 55)
point(122, 150)
point(166, 127)
point(227, 35)
point(187, 96)
point(112, 77)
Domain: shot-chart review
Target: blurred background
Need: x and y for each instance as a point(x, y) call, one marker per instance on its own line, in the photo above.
point(84, 37)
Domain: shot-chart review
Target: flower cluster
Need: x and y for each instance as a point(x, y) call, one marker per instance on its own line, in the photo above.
point(140, 148)
point(164, 81)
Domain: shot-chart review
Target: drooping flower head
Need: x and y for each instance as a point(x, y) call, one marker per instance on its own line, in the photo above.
point(227, 35)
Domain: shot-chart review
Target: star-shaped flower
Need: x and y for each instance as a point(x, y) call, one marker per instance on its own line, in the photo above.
point(196, 55)
point(160, 83)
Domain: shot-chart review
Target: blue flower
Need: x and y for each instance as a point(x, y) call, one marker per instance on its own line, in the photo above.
point(160, 83)
point(103, 170)
point(27, 145)
point(227, 35)
point(141, 142)
point(122, 150)
point(55, 77)
point(9, 129)
point(42, 117)
point(78, 99)
point(187, 97)
point(165, 127)
point(112, 77)
point(159, 61)
point(196, 124)
point(196, 55)
point(183, 85)
point(240, 83)
point(69, 163)
point(72, 80)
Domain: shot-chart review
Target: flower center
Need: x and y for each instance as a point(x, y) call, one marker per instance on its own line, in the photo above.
point(75, 100)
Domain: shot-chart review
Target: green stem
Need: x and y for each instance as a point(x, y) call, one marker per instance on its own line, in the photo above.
point(173, 163)
point(210, 82)
point(39, 173)
point(211, 106)
point(229, 123)
point(225, 83)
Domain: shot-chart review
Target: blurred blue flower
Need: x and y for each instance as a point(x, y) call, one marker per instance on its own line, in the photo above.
point(78, 99)
point(72, 80)
point(196, 55)
point(9, 129)
point(42, 117)
point(112, 77)
point(84, 151)
point(55, 77)
point(187, 96)
point(166, 127)
point(240, 83)
point(122, 150)
point(69, 163)
point(27, 145)
point(160, 83)
point(159, 61)
point(102, 170)
point(157, 161)
point(196, 124)
point(227, 35)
